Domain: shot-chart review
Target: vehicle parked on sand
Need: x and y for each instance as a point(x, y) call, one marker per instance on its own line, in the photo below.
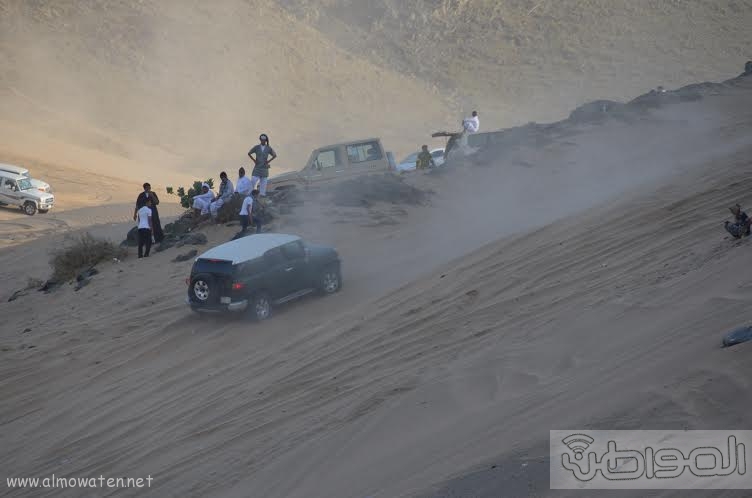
point(253, 274)
point(17, 191)
point(338, 161)
point(408, 163)
point(21, 171)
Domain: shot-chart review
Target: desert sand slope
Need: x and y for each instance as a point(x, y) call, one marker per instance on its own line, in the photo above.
point(607, 317)
point(170, 88)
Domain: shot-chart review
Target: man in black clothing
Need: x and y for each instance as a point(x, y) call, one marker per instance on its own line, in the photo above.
point(141, 202)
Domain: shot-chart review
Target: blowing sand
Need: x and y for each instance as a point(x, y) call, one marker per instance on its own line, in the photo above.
point(598, 299)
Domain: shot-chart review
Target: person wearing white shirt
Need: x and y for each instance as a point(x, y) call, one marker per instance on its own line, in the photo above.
point(471, 124)
point(202, 201)
point(225, 195)
point(145, 228)
point(244, 185)
point(245, 212)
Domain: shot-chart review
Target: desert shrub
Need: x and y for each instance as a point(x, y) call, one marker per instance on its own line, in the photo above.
point(84, 252)
point(186, 198)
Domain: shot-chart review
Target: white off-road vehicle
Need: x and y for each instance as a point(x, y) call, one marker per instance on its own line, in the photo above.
point(17, 191)
point(21, 171)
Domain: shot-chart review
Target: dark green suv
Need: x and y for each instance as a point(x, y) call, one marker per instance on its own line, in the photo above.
point(254, 273)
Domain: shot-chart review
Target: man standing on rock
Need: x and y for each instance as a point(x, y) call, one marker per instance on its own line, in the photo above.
point(264, 155)
point(145, 228)
point(141, 202)
point(225, 195)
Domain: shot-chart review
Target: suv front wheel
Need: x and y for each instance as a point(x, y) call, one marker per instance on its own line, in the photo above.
point(29, 208)
point(330, 280)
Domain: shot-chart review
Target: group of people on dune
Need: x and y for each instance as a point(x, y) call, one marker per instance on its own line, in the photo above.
point(146, 214)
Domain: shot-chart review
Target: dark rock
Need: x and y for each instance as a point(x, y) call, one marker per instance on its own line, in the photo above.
point(747, 69)
point(179, 227)
point(737, 336)
point(229, 210)
point(368, 189)
point(26, 331)
point(595, 111)
point(82, 283)
point(131, 239)
point(185, 257)
point(194, 239)
point(166, 244)
point(87, 274)
point(49, 286)
point(17, 294)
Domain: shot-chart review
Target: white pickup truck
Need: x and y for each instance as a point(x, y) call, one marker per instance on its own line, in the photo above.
point(17, 191)
point(21, 171)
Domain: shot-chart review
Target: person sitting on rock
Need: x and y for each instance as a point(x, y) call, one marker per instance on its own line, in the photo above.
point(202, 201)
point(424, 159)
point(741, 225)
point(225, 195)
point(244, 185)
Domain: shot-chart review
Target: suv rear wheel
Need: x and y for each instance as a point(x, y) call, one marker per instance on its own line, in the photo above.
point(260, 306)
point(202, 288)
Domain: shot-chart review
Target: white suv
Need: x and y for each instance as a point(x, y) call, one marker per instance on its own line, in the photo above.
point(21, 171)
point(17, 191)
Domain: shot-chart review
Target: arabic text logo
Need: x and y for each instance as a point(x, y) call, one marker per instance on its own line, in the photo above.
point(663, 463)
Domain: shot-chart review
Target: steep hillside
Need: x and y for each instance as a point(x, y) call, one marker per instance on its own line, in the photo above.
point(188, 85)
point(163, 88)
point(522, 60)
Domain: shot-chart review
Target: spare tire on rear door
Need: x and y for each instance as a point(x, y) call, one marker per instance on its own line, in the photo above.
point(204, 289)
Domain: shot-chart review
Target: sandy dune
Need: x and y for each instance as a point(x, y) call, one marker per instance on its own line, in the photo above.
point(434, 361)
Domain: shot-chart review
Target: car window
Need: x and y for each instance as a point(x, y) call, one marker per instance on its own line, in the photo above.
point(293, 250)
point(8, 183)
point(437, 154)
point(273, 257)
point(325, 159)
point(369, 151)
point(252, 267)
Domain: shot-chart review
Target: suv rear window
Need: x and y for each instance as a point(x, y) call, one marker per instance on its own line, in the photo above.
point(212, 266)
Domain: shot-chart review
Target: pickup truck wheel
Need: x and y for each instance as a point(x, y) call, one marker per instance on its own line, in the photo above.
point(29, 208)
point(260, 307)
point(330, 280)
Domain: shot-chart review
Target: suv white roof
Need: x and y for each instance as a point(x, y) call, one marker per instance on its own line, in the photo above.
point(19, 170)
point(249, 247)
point(12, 176)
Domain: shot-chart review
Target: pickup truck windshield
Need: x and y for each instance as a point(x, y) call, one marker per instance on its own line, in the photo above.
point(24, 184)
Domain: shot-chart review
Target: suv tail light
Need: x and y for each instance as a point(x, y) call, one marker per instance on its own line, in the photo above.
point(237, 285)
